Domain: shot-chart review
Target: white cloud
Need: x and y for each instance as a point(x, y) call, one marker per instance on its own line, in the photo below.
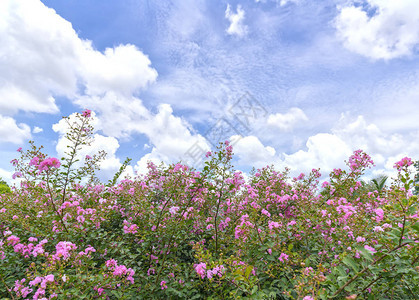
point(42, 56)
point(380, 29)
point(124, 69)
point(6, 175)
point(329, 150)
point(37, 129)
point(10, 132)
point(324, 150)
point(236, 21)
point(287, 121)
point(251, 151)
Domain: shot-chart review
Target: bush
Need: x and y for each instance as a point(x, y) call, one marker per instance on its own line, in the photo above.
point(180, 233)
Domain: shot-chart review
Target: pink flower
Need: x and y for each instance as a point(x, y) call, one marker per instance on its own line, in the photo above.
point(163, 285)
point(63, 250)
point(16, 175)
point(200, 269)
point(35, 281)
point(380, 214)
point(405, 161)
point(282, 257)
point(13, 240)
point(34, 161)
point(86, 113)
point(370, 248)
point(378, 229)
point(266, 213)
point(19, 149)
point(360, 239)
point(173, 209)
point(49, 162)
point(308, 298)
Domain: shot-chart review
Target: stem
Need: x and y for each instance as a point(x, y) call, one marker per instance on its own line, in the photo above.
point(73, 155)
point(172, 236)
point(217, 210)
point(53, 204)
point(401, 235)
point(7, 288)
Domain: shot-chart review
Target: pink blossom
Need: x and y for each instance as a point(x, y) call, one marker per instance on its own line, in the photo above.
point(13, 240)
point(378, 229)
point(379, 214)
point(49, 162)
point(282, 257)
point(200, 269)
point(86, 113)
point(266, 213)
point(63, 250)
point(34, 161)
point(16, 175)
point(405, 161)
point(360, 239)
point(370, 248)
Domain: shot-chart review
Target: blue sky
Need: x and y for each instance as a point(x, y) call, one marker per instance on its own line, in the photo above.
point(329, 76)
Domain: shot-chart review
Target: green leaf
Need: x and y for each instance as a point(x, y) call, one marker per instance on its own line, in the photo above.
point(365, 253)
point(248, 271)
point(351, 263)
point(415, 227)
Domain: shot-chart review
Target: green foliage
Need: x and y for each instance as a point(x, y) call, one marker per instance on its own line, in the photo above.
point(4, 187)
point(180, 233)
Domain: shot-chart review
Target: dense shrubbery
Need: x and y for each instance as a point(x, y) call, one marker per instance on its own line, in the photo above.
point(184, 234)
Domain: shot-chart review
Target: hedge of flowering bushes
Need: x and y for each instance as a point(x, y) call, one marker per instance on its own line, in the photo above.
point(180, 233)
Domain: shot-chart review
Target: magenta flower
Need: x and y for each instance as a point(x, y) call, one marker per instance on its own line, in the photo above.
point(49, 162)
point(86, 113)
point(405, 161)
point(34, 161)
point(201, 269)
point(283, 257)
point(370, 248)
point(16, 175)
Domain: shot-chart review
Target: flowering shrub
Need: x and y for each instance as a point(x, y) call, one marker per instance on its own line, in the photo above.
point(182, 233)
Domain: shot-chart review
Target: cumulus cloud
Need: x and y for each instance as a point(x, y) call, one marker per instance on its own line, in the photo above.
point(237, 27)
point(251, 151)
point(10, 132)
point(42, 57)
point(37, 129)
point(379, 29)
point(288, 120)
point(330, 150)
